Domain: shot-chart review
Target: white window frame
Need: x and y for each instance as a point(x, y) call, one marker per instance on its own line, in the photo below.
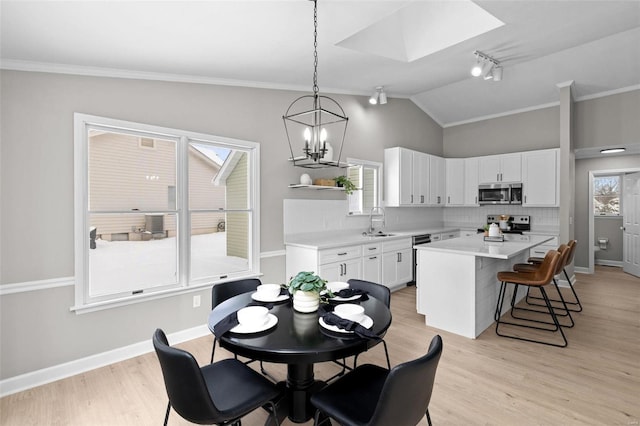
point(355, 198)
point(82, 122)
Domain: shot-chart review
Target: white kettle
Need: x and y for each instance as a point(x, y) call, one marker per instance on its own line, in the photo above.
point(494, 231)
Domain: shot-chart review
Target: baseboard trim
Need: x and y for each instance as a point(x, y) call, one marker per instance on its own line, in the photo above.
point(581, 270)
point(61, 371)
point(605, 262)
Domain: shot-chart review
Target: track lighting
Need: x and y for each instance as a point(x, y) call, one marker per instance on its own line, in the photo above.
point(487, 67)
point(378, 97)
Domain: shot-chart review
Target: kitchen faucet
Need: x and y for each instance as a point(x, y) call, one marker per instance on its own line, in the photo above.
point(371, 219)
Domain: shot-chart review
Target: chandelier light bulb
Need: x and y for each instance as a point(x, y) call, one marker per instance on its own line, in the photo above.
point(323, 135)
point(307, 134)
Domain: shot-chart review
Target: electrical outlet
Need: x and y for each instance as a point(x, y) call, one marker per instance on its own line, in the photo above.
point(196, 301)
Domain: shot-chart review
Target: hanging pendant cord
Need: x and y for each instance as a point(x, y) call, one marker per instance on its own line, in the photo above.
point(315, 47)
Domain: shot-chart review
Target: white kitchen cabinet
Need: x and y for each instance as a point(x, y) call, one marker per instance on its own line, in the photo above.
point(436, 180)
point(471, 181)
point(449, 235)
point(406, 177)
point(540, 184)
point(542, 249)
point(341, 271)
point(436, 237)
point(455, 181)
point(468, 232)
point(332, 264)
point(500, 168)
point(372, 262)
point(397, 262)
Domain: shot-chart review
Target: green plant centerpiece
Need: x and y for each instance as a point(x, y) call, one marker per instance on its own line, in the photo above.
point(346, 183)
point(306, 288)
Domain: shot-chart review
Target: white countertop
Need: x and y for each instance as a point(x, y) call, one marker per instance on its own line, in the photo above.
point(323, 240)
point(476, 246)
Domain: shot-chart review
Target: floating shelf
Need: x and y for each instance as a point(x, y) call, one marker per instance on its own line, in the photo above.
point(317, 187)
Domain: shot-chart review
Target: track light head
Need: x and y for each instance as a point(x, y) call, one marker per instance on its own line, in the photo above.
point(378, 97)
point(486, 66)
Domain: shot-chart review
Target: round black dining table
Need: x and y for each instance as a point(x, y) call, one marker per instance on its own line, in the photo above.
point(299, 341)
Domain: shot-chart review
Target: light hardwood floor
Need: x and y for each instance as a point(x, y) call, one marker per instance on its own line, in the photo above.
point(487, 381)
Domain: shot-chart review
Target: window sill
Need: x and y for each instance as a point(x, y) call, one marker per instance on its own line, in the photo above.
point(139, 298)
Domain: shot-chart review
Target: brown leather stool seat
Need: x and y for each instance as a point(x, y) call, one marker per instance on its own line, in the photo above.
point(561, 310)
point(573, 305)
point(539, 278)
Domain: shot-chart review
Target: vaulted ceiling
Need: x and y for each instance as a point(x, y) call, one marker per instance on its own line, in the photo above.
point(422, 50)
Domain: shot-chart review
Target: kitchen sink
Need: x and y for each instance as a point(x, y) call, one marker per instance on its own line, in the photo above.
point(377, 234)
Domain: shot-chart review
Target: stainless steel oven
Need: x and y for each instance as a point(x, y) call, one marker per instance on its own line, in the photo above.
point(418, 239)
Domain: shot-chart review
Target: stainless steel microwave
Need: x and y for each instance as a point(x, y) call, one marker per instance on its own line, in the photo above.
point(500, 193)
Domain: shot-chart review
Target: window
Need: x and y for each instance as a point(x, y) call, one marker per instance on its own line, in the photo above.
point(152, 222)
point(366, 175)
point(606, 195)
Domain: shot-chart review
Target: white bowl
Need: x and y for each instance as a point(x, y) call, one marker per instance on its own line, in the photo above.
point(350, 311)
point(268, 291)
point(253, 316)
point(336, 286)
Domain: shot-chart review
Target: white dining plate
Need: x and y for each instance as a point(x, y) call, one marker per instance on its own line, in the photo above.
point(346, 299)
point(367, 322)
point(260, 298)
point(272, 320)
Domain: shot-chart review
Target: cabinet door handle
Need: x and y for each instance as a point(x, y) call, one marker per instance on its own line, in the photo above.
point(525, 199)
point(438, 199)
point(373, 248)
point(449, 199)
point(476, 199)
point(345, 268)
point(422, 199)
point(373, 258)
point(399, 255)
point(411, 198)
point(342, 254)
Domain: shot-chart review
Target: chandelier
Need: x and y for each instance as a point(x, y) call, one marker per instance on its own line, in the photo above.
point(315, 122)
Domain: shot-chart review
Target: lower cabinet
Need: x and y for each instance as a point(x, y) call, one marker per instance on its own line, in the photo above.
point(334, 264)
point(341, 271)
point(397, 262)
point(372, 262)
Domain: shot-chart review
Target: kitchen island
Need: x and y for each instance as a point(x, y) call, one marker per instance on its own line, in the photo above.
point(456, 280)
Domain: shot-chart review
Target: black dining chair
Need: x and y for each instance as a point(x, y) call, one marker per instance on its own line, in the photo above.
point(374, 396)
point(381, 293)
point(210, 395)
point(223, 291)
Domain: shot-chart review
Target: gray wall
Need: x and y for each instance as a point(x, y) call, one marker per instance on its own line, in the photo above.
point(36, 242)
point(608, 227)
point(527, 131)
point(583, 167)
point(608, 121)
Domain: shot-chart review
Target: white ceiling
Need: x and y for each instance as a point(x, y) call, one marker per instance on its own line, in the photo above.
point(264, 43)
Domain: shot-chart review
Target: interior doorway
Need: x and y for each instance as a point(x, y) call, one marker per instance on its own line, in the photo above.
point(592, 238)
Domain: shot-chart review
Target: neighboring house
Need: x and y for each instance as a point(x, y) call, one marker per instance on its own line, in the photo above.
point(129, 173)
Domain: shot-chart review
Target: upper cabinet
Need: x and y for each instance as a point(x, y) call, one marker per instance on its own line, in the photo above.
point(540, 170)
point(500, 168)
point(436, 180)
point(406, 177)
point(455, 181)
point(462, 181)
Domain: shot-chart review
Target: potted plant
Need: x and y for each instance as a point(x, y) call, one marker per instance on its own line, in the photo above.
point(345, 182)
point(305, 288)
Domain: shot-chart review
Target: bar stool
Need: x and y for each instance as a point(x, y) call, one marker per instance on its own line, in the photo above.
point(564, 251)
point(538, 278)
point(577, 305)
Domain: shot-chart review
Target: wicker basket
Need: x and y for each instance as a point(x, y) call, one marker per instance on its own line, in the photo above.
point(324, 182)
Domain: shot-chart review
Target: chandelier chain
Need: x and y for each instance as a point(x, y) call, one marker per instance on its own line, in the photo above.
point(315, 47)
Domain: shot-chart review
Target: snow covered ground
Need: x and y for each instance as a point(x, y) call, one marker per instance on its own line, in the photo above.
point(117, 266)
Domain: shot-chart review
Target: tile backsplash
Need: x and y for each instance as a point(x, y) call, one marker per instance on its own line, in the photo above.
point(304, 216)
point(540, 217)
